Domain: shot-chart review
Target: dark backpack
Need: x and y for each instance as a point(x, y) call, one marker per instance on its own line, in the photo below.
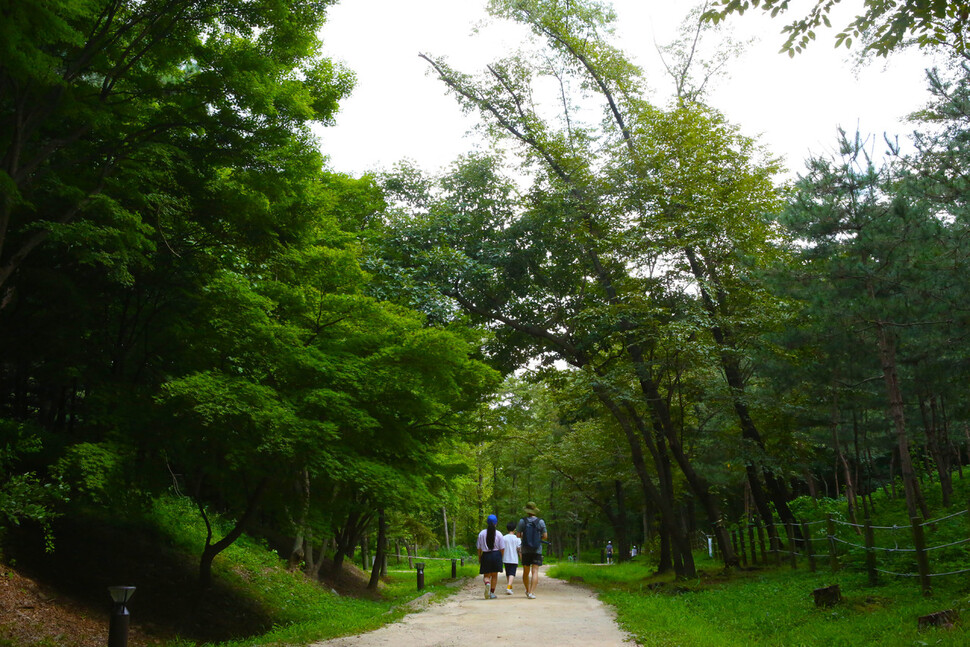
point(532, 534)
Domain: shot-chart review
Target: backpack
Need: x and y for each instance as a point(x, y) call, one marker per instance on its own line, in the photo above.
point(532, 534)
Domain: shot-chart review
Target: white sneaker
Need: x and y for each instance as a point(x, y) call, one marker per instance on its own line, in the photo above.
point(488, 590)
point(492, 596)
point(508, 591)
point(531, 596)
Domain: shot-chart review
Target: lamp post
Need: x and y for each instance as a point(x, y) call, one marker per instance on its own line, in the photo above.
point(118, 627)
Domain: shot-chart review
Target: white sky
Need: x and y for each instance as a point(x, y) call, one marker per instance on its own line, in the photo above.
point(399, 111)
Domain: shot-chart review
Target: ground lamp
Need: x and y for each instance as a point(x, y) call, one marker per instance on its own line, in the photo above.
point(118, 628)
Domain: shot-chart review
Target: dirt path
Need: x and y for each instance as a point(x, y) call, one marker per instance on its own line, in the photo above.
point(561, 615)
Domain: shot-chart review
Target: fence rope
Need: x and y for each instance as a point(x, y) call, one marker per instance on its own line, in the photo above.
point(966, 570)
point(897, 549)
point(898, 574)
point(932, 521)
point(842, 541)
point(956, 543)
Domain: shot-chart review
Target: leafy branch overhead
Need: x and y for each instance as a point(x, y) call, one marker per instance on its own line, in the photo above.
point(883, 27)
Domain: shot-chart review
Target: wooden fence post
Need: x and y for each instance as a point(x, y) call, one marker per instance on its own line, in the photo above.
point(744, 553)
point(833, 555)
point(774, 540)
point(809, 549)
point(754, 548)
point(871, 554)
point(922, 560)
point(761, 542)
point(792, 553)
point(734, 540)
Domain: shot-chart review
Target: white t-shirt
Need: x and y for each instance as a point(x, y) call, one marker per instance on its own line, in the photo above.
point(512, 543)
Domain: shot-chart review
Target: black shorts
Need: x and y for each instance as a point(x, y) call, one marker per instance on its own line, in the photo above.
point(491, 562)
point(510, 569)
point(531, 559)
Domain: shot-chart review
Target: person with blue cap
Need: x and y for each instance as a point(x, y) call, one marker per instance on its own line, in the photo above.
point(490, 547)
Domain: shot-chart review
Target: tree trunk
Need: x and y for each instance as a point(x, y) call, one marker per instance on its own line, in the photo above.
point(297, 552)
point(444, 515)
point(938, 446)
point(210, 550)
point(618, 521)
point(842, 462)
point(915, 504)
point(381, 551)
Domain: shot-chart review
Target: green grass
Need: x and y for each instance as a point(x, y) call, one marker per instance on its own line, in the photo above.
point(303, 611)
point(309, 613)
point(770, 607)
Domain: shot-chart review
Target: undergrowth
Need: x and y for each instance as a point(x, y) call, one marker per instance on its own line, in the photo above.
point(303, 611)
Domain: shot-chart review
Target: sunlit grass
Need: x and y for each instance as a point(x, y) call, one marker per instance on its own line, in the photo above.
point(769, 607)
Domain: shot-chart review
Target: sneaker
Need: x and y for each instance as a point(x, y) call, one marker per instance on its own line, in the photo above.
point(492, 596)
point(508, 591)
point(488, 590)
point(531, 596)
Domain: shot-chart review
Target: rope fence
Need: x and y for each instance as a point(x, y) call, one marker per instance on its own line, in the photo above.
point(852, 544)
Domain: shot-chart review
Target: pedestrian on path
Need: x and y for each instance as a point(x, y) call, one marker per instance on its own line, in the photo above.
point(490, 548)
point(609, 552)
point(510, 557)
point(532, 531)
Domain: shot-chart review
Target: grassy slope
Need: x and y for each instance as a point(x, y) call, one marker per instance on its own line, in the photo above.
point(301, 611)
point(254, 599)
point(775, 606)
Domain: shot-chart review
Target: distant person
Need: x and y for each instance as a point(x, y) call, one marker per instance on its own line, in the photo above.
point(633, 551)
point(532, 531)
point(510, 557)
point(490, 547)
point(609, 552)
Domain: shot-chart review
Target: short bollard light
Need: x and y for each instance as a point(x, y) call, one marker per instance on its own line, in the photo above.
point(454, 568)
point(118, 627)
point(420, 567)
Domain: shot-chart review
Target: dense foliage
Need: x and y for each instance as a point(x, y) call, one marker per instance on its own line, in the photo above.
point(183, 305)
point(192, 304)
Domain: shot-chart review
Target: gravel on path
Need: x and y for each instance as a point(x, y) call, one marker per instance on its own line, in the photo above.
point(561, 614)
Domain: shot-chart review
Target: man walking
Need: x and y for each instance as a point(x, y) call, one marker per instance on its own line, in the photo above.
point(532, 531)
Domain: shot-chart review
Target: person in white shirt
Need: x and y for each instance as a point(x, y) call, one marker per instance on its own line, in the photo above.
point(510, 558)
point(490, 547)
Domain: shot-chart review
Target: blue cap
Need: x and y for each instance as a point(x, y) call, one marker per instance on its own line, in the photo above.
point(492, 519)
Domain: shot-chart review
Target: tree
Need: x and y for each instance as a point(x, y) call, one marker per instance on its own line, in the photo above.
point(93, 95)
point(641, 177)
point(883, 27)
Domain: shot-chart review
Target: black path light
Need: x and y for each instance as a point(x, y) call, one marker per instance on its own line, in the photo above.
point(118, 627)
point(420, 568)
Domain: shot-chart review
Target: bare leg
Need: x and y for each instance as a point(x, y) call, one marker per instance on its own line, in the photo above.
point(533, 578)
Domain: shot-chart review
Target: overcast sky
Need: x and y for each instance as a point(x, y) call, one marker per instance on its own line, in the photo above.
point(398, 111)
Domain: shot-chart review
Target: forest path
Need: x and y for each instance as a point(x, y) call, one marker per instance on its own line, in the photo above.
point(561, 615)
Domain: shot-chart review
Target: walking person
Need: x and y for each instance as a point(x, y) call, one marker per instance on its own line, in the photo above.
point(532, 531)
point(490, 548)
point(609, 552)
point(510, 556)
